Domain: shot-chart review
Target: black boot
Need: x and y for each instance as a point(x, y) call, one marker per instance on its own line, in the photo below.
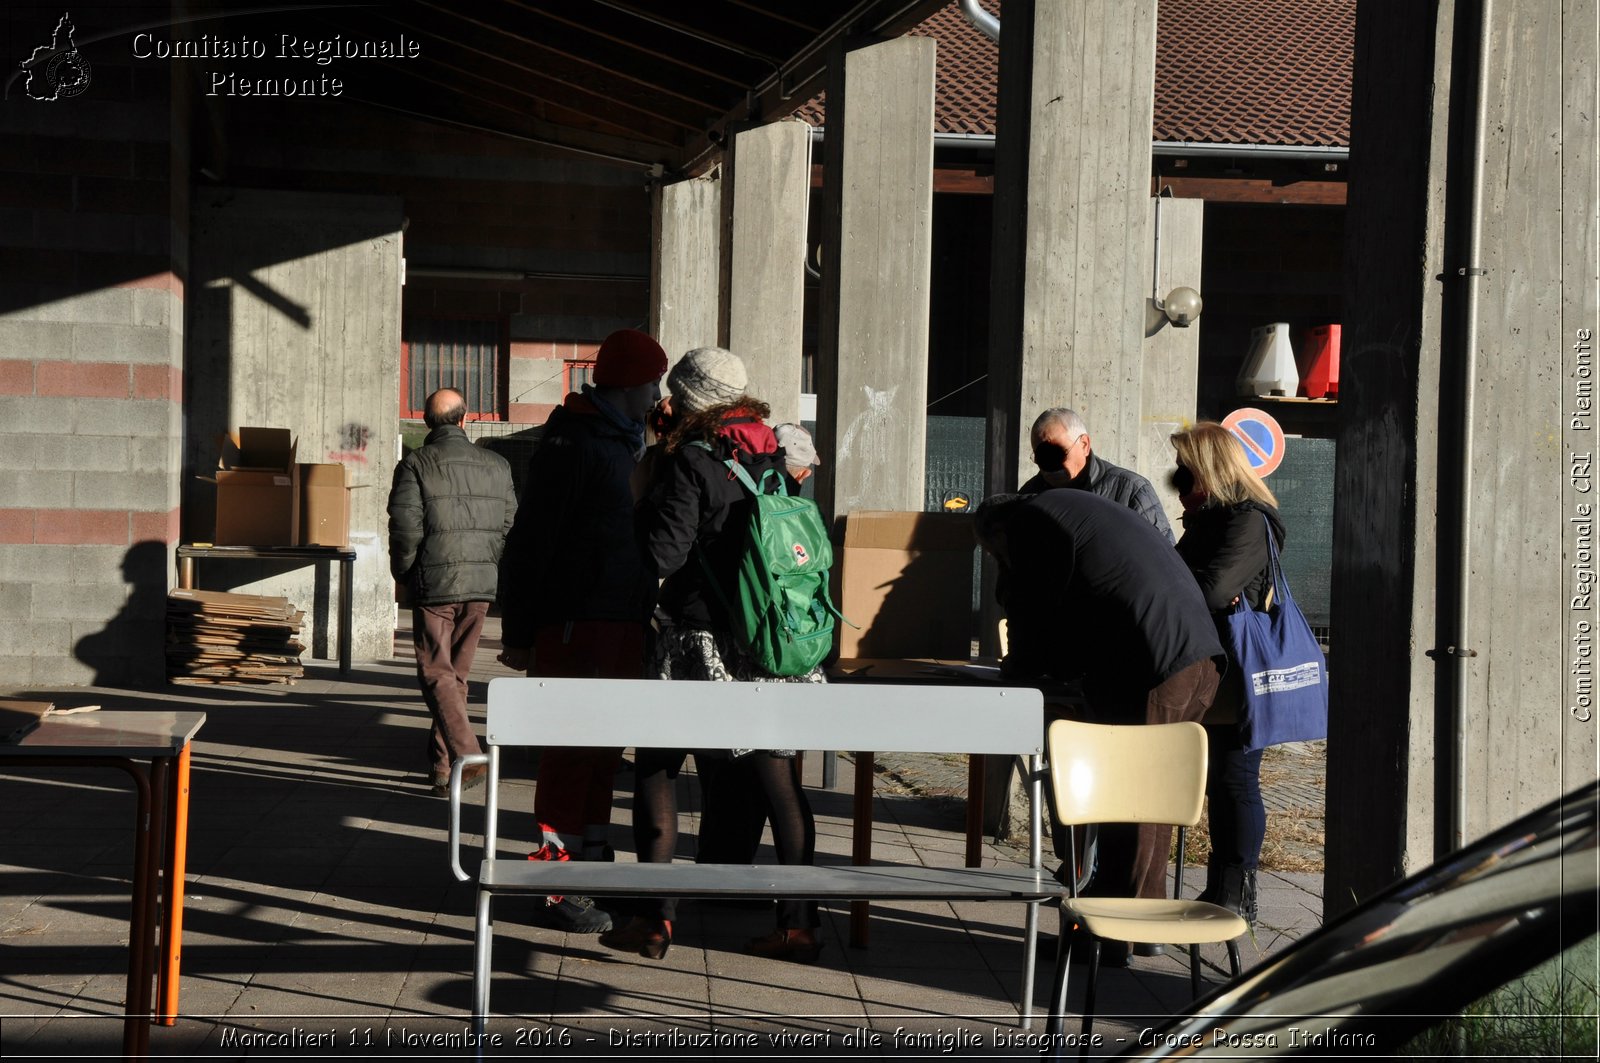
point(1212, 894)
point(1234, 888)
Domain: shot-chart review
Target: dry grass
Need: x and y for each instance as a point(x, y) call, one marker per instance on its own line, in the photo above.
point(1293, 784)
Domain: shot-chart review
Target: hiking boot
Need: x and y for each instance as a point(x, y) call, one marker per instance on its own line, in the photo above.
point(571, 915)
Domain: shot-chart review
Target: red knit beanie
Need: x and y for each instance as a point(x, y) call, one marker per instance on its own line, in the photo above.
point(628, 358)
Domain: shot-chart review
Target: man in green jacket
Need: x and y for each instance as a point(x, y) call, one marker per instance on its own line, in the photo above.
point(450, 509)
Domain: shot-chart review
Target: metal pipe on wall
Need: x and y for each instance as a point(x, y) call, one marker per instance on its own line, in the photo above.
point(1464, 282)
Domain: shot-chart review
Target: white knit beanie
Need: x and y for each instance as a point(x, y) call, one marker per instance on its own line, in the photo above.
point(706, 377)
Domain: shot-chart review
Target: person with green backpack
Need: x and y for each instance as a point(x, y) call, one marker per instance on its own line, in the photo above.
point(737, 551)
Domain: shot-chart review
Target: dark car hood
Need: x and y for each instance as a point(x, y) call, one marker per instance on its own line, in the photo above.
point(1424, 948)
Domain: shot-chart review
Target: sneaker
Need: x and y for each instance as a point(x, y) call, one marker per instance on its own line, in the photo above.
point(571, 915)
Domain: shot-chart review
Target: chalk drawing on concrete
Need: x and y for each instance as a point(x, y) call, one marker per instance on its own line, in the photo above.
point(869, 434)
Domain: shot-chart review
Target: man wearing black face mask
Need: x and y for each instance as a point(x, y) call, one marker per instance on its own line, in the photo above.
point(1062, 452)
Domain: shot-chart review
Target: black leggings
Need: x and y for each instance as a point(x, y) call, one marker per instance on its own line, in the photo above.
point(773, 782)
point(1237, 815)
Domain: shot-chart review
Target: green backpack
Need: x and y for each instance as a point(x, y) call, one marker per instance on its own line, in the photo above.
point(781, 614)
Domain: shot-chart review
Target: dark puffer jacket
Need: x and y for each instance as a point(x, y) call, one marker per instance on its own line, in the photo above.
point(695, 501)
point(1122, 486)
point(449, 511)
point(572, 554)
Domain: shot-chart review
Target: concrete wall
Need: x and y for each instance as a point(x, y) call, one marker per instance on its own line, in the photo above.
point(872, 364)
point(1171, 365)
point(93, 235)
point(1527, 320)
point(1392, 749)
point(1071, 261)
point(685, 275)
point(763, 261)
point(553, 246)
point(1580, 333)
point(295, 324)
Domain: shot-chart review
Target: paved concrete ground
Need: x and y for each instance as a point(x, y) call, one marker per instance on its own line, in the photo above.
point(322, 919)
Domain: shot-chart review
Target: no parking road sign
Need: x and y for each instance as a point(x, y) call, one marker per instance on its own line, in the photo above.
point(1261, 436)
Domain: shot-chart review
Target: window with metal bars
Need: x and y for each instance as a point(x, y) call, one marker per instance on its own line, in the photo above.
point(467, 355)
point(579, 373)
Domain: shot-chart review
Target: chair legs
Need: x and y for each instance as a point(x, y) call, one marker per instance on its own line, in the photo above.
point(1088, 998)
point(1058, 988)
point(480, 965)
point(1056, 1020)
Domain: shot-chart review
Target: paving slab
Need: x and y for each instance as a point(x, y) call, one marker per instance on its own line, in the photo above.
point(321, 918)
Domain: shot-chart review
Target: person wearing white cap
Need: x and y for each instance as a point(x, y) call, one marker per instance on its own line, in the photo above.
point(692, 521)
point(799, 451)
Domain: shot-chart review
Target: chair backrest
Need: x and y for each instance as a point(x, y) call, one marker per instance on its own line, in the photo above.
point(1139, 773)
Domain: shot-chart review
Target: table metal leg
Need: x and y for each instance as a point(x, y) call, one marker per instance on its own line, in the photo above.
point(141, 921)
point(861, 841)
point(186, 573)
point(347, 570)
point(142, 914)
point(176, 865)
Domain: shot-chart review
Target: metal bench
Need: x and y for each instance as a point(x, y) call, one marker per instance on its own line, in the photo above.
point(690, 715)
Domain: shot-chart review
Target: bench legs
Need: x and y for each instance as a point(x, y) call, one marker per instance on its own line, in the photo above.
point(1030, 936)
point(483, 942)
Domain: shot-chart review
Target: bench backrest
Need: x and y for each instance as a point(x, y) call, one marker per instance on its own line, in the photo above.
point(683, 714)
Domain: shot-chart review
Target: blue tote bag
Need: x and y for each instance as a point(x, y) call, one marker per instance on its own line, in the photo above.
point(1285, 673)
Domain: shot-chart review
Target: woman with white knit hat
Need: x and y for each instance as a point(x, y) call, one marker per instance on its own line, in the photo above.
point(691, 522)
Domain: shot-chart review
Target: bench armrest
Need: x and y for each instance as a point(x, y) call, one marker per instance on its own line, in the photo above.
point(455, 810)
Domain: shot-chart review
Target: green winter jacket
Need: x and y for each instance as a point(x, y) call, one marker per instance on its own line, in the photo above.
point(449, 511)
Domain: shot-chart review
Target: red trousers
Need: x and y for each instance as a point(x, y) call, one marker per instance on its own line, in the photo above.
point(575, 784)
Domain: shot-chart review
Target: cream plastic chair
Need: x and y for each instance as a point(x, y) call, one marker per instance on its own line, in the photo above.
point(1148, 773)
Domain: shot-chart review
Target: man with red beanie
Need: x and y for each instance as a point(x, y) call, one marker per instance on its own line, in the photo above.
point(575, 592)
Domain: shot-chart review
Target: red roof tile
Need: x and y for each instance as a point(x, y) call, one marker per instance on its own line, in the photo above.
point(1227, 72)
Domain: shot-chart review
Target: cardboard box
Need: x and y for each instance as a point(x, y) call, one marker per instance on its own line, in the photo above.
point(258, 489)
point(324, 505)
point(906, 579)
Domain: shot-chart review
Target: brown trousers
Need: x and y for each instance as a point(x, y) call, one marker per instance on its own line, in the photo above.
point(1133, 857)
point(446, 639)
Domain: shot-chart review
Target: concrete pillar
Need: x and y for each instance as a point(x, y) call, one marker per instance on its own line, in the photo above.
point(1538, 153)
point(1527, 736)
point(685, 247)
point(1071, 261)
point(296, 324)
point(1580, 336)
point(1171, 364)
point(763, 275)
point(872, 362)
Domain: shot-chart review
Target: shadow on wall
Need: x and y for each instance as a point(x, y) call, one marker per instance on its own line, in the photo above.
point(131, 649)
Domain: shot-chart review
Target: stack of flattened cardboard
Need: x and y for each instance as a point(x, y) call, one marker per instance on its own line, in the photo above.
point(217, 637)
